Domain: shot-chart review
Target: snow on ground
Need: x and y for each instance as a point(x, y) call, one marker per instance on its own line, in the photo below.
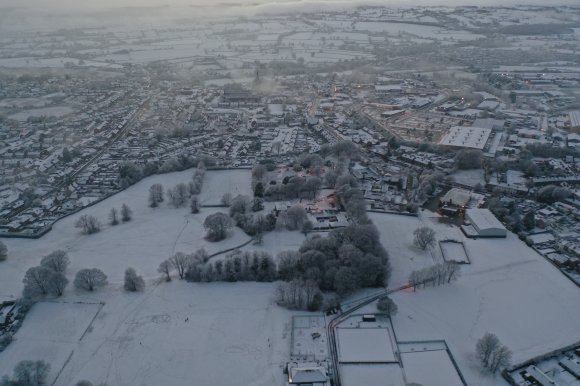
point(153, 235)
point(433, 368)
point(371, 375)
point(365, 345)
point(172, 334)
point(396, 233)
point(305, 340)
point(469, 177)
point(50, 332)
point(281, 240)
point(453, 251)
point(219, 182)
point(508, 290)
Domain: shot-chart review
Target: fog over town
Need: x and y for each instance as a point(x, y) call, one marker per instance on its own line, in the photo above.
point(300, 192)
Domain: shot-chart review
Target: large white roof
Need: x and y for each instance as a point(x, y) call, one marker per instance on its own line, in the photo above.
point(464, 136)
point(484, 219)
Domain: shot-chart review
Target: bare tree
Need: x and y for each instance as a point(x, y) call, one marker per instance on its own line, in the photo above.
point(217, 226)
point(178, 195)
point(155, 195)
point(3, 251)
point(485, 348)
point(240, 204)
point(295, 217)
point(165, 269)
point(126, 213)
point(307, 227)
point(227, 199)
point(37, 282)
point(299, 294)
point(114, 216)
point(424, 237)
point(133, 282)
point(452, 271)
point(194, 205)
point(500, 358)
point(57, 282)
point(181, 262)
point(28, 373)
point(56, 261)
point(388, 306)
point(259, 172)
point(90, 278)
point(88, 224)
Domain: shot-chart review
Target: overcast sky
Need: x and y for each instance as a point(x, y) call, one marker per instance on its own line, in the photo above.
point(88, 4)
point(45, 15)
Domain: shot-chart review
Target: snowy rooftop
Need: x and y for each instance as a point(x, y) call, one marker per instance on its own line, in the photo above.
point(457, 196)
point(307, 373)
point(463, 136)
point(483, 218)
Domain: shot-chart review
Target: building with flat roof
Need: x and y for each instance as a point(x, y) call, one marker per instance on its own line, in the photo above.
point(311, 374)
point(466, 137)
point(483, 223)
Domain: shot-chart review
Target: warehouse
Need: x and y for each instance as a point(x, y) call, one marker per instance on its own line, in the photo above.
point(482, 223)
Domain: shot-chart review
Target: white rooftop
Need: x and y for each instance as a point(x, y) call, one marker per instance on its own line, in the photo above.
point(465, 136)
point(483, 218)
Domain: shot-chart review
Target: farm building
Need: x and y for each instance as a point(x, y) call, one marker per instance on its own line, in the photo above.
point(483, 224)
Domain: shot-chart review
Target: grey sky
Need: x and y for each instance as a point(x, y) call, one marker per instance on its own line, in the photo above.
point(47, 5)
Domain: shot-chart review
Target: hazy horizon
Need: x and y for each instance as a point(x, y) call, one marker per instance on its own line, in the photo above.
point(112, 4)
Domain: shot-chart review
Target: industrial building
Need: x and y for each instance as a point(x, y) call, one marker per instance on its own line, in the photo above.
point(482, 223)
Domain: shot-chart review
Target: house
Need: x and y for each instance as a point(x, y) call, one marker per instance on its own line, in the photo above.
point(455, 200)
point(483, 224)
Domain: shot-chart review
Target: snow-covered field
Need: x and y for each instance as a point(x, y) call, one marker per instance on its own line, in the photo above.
point(397, 237)
point(153, 235)
point(172, 334)
point(50, 332)
point(508, 289)
point(371, 375)
point(453, 251)
point(219, 182)
point(365, 345)
point(433, 368)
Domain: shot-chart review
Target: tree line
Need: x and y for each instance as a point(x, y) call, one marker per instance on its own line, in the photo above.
point(346, 260)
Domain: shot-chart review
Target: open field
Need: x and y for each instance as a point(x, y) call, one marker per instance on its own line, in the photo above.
point(173, 333)
point(153, 235)
point(430, 368)
point(371, 375)
point(366, 345)
point(50, 332)
point(508, 289)
point(207, 334)
point(217, 183)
